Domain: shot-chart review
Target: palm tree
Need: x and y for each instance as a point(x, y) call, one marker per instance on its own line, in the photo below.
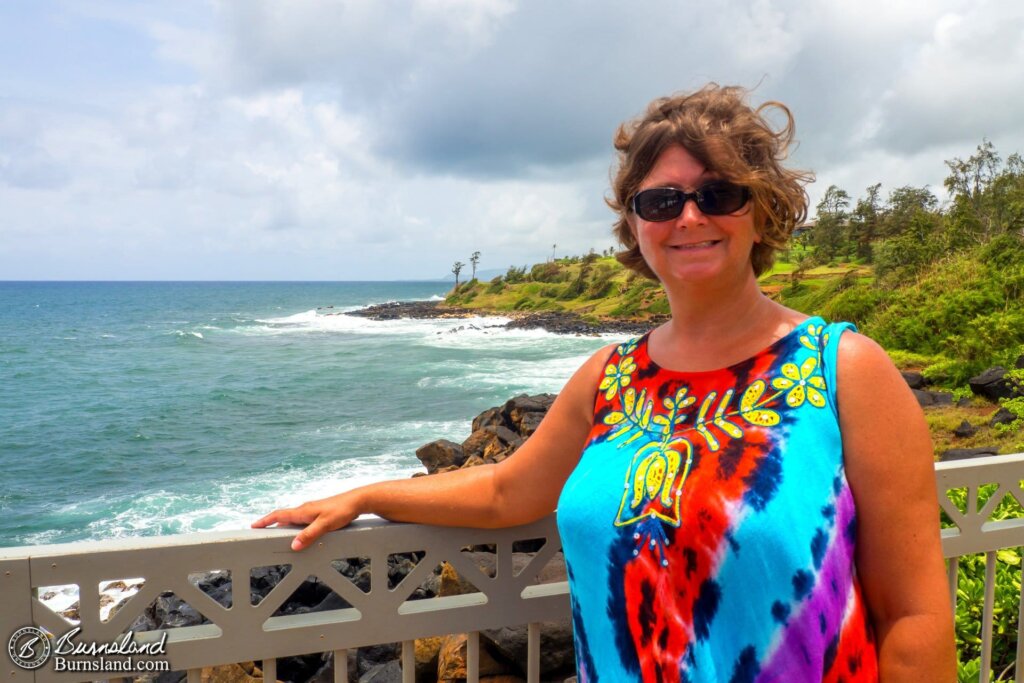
point(457, 268)
point(553, 247)
point(473, 260)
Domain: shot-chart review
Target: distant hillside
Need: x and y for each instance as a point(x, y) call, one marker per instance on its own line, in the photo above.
point(956, 317)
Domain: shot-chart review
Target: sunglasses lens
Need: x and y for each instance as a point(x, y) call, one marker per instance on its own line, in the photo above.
point(666, 203)
point(659, 204)
point(718, 199)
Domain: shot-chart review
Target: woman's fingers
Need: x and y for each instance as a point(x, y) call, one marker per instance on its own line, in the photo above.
point(300, 515)
point(319, 516)
point(315, 530)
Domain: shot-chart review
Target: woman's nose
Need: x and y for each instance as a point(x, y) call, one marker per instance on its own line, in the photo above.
point(691, 215)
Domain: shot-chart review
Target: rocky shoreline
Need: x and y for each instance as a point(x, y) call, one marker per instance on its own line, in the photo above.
point(557, 322)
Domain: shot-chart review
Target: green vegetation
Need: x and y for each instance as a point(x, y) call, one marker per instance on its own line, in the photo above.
point(940, 287)
point(594, 286)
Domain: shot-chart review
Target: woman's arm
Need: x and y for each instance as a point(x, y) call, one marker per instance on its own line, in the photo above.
point(890, 467)
point(520, 489)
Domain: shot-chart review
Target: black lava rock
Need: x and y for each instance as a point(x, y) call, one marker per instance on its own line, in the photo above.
point(915, 380)
point(967, 453)
point(1002, 417)
point(965, 429)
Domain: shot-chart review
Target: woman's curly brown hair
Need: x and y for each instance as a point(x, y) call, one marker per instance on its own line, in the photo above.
point(717, 126)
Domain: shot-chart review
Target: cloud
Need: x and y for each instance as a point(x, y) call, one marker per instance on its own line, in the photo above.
point(351, 139)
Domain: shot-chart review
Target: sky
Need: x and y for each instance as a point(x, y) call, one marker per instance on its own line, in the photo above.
point(387, 139)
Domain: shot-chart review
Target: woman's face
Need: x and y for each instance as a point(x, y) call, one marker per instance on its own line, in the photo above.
point(693, 247)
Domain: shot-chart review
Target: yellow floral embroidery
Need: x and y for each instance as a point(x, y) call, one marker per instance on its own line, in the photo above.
point(802, 384)
point(661, 464)
point(810, 339)
point(617, 376)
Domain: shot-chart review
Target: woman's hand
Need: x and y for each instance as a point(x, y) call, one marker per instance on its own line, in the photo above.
point(319, 516)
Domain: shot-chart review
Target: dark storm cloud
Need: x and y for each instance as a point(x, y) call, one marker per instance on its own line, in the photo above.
point(503, 89)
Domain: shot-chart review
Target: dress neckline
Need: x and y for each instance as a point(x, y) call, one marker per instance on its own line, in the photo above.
point(800, 327)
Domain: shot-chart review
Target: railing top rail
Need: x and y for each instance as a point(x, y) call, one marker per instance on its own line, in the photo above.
point(1009, 461)
point(146, 542)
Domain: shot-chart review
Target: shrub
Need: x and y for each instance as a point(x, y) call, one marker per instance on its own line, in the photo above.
point(515, 275)
point(856, 303)
point(548, 272)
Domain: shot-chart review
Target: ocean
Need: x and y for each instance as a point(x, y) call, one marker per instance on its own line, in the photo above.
point(153, 408)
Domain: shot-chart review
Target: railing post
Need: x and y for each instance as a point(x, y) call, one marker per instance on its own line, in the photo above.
point(952, 572)
point(409, 661)
point(270, 670)
point(341, 666)
point(473, 657)
point(986, 615)
point(533, 653)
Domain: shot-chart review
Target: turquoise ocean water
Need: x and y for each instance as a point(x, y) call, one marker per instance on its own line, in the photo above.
point(131, 409)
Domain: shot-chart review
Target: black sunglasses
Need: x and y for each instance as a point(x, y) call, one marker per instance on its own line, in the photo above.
point(717, 198)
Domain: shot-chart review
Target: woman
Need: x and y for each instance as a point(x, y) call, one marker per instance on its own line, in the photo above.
point(750, 494)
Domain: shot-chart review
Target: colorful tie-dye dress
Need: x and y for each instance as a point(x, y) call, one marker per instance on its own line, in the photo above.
point(709, 529)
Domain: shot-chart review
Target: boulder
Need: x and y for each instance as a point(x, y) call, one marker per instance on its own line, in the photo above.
point(518, 407)
point(932, 398)
point(426, 658)
point(375, 655)
point(218, 586)
point(994, 385)
point(557, 653)
point(451, 660)
point(967, 453)
point(325, 674)
point(170, 611)
point(492, 417)
point(300, 667)
point(390, 672)
point(491, 440)
point(965, 429)
point(1002, 417)
point(529, 422)
point(263, 579)
point(915, 380)
point(246, 672)
point(440, 454)
point(474, 461)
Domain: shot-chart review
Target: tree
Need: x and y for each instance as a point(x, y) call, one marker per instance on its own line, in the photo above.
point(473, 260)
point(829, 237)
point(864, 221)
point(457, 268)
point(553, 247)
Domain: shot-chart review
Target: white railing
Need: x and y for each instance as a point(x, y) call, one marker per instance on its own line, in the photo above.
point(976, 532)
point(385, 614)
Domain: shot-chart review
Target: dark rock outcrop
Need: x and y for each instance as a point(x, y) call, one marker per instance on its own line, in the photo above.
point(932, 398)
point(993, 384)
point(1003, 416)
point(965, 453)
point(441, 453)
point(558, 322)
point(965, 429)
point(393, 310)
point(915, 380)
